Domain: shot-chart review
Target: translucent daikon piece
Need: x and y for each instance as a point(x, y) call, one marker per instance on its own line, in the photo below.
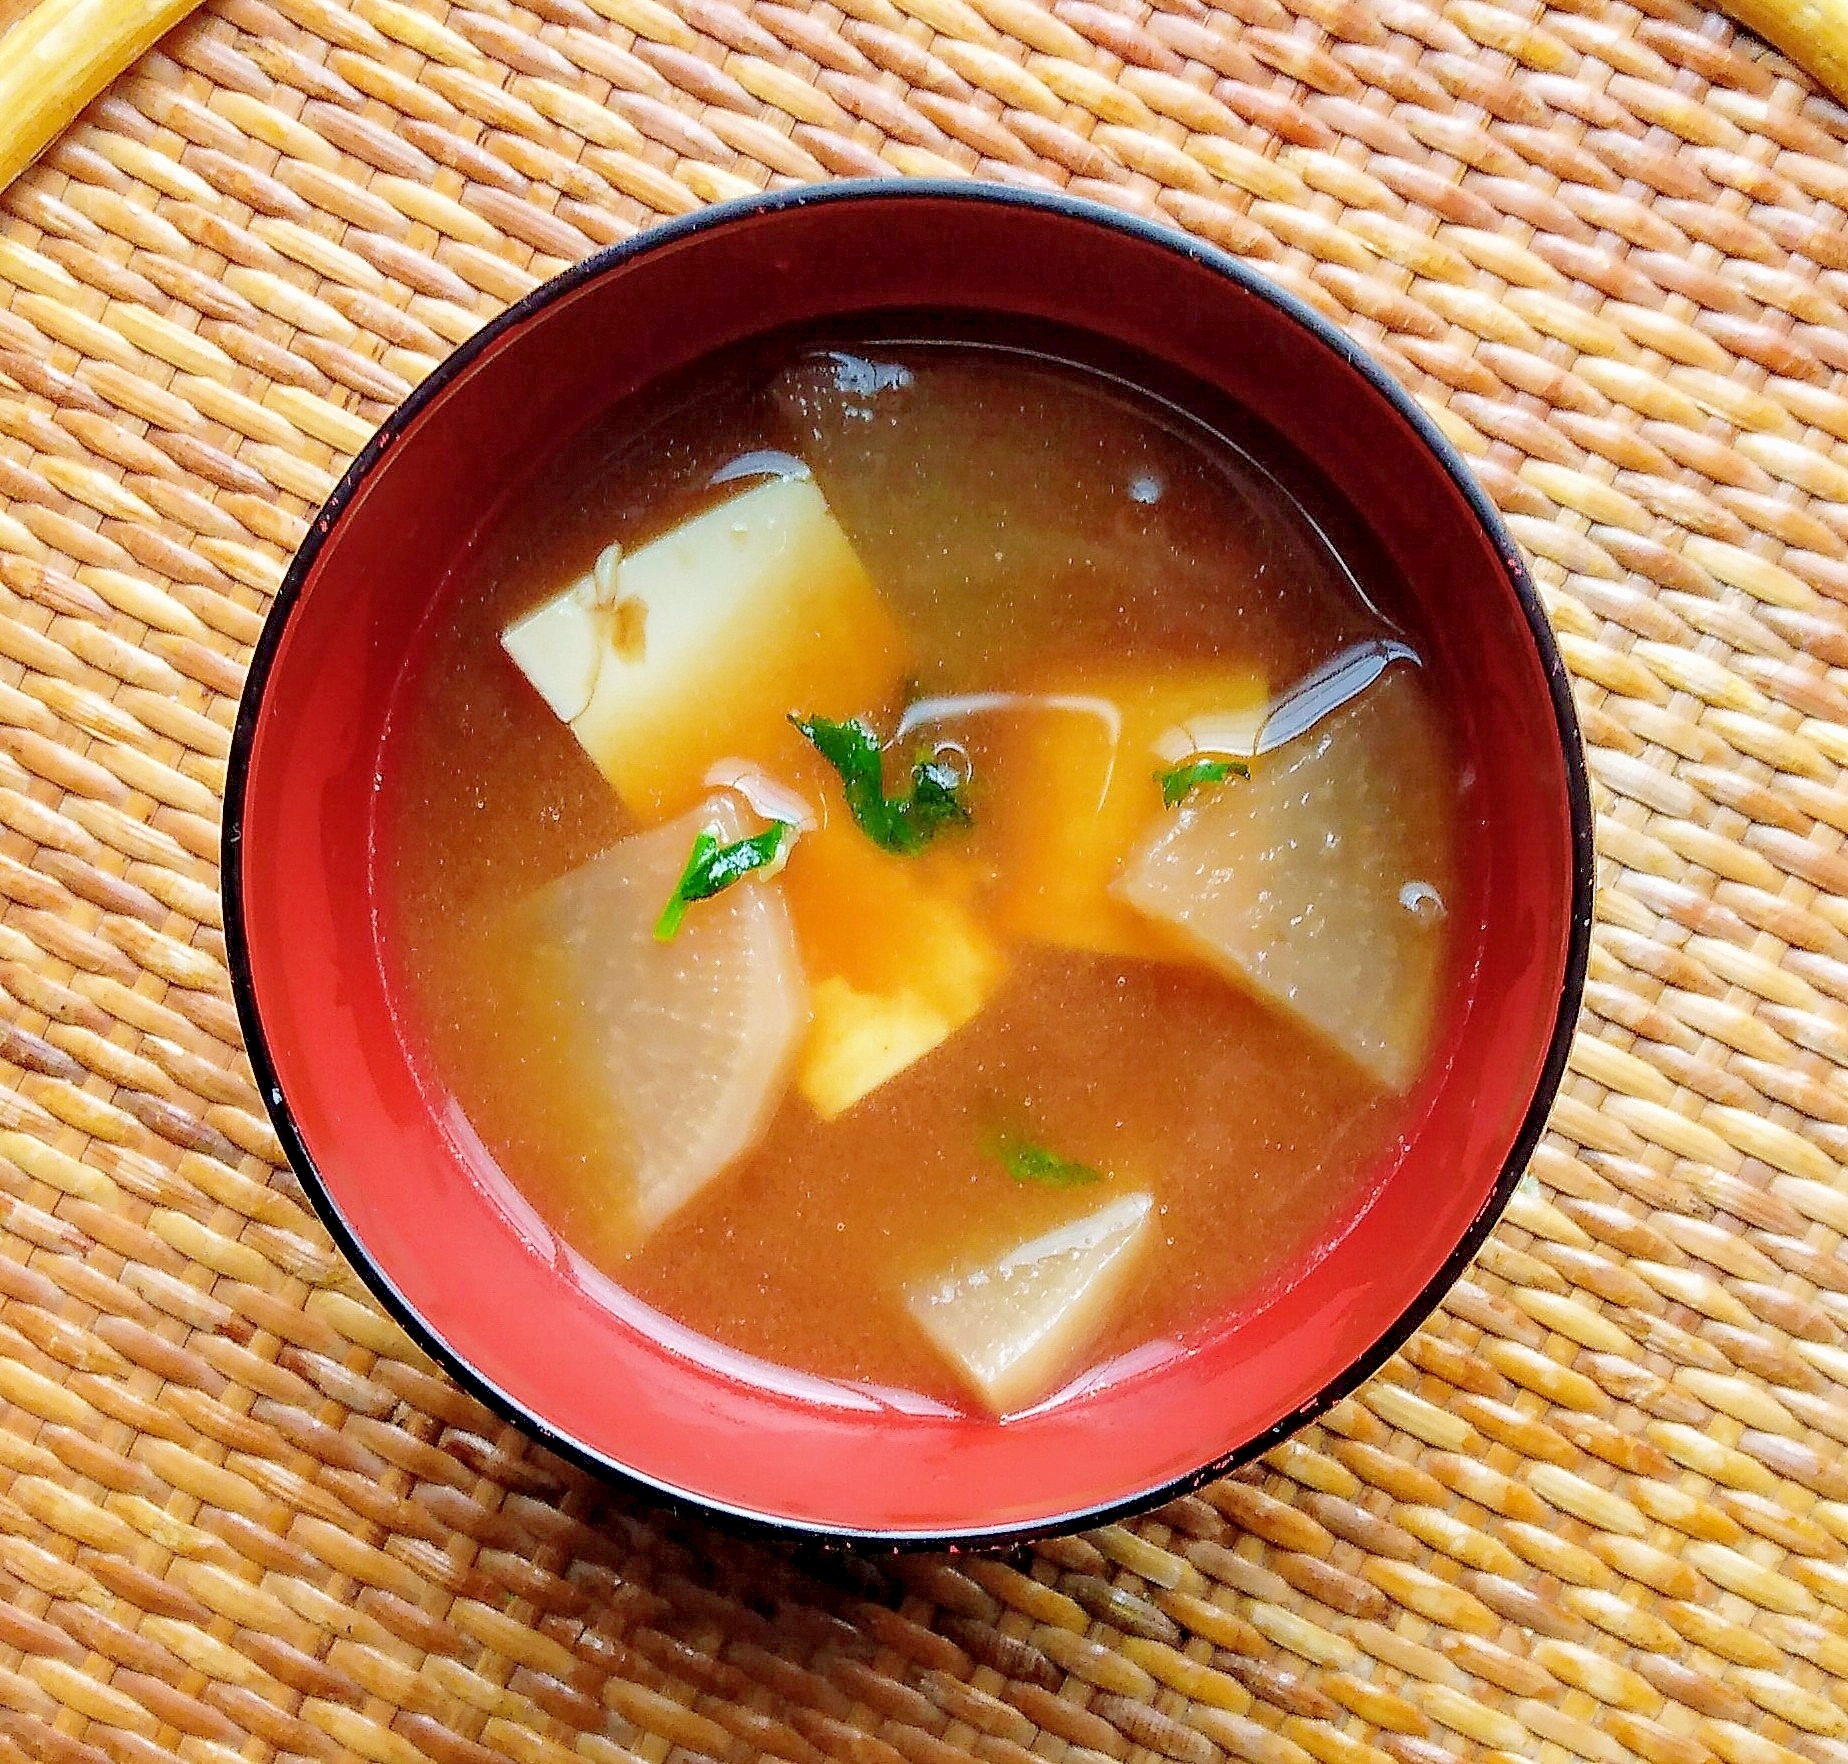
point(1075, 789)
point(988, 555)
point(699, 645)
point(896, 960)
point(1320, 884)
point(691, 1042)
point(1014, 1326)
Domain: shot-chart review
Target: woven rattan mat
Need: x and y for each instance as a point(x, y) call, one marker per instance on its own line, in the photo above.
point(1597, 1508)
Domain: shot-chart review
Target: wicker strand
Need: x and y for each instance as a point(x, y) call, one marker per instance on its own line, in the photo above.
point(1597, 1509)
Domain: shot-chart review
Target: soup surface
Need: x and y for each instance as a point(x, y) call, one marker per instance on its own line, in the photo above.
point(1174, 957)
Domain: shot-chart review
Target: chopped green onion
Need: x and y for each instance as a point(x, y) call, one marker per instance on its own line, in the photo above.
point(712, 867)
point(1028, 1161)
point(1182, 781)
point(904, 824)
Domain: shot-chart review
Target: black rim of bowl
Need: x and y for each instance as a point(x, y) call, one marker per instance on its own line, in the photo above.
point(691, 1502)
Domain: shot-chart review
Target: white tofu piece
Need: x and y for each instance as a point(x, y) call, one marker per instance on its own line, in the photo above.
point(707, 639)
point(691, 1041)
point(897, 960)
point(1015, 1326)
point(1320, 884)
point(559, 647)
point(857, 1040)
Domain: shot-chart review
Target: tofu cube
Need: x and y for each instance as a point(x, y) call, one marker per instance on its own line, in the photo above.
point(857, 1040)
point(1014, 1326)
point(711, 636)
point(897, 961)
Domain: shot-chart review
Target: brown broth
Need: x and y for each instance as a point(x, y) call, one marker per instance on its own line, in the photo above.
point(1017, 514)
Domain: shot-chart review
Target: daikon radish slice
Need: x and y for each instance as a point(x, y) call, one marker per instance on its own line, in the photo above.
point(1015, 1325)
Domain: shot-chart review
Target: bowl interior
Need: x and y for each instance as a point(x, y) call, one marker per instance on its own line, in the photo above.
point(412, 1195)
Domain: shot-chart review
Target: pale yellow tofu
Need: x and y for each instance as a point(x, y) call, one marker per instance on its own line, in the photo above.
point(1015, 1326)
point(707, 640)
point(691, 1041)
point(1321, 885)
point(896, 960)
point(857, 1040)
point(1075, 788)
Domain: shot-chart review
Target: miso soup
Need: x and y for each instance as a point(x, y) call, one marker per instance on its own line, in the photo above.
point(932, 865)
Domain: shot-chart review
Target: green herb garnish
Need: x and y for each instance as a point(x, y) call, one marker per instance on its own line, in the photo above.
point(712, 867)
point(903, 824)
point(1180, 782)
point(1028, 1161)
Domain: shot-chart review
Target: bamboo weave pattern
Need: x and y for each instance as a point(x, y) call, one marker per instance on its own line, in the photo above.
point(1597, 1509)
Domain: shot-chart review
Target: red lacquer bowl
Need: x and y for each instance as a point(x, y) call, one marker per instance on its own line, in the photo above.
point(432, 1226)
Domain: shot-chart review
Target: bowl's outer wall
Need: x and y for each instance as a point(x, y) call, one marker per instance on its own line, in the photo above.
point(491, 1294)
